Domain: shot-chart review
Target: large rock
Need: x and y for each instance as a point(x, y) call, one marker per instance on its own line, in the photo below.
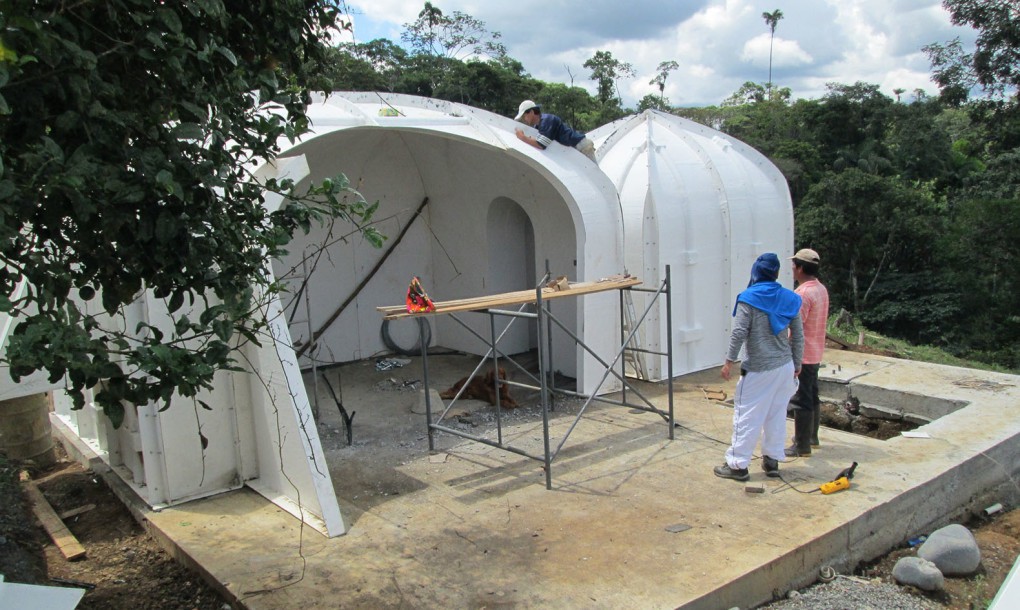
point(953, 549)
point(919, 573)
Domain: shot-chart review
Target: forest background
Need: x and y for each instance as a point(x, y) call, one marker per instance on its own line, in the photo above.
point(913, 202)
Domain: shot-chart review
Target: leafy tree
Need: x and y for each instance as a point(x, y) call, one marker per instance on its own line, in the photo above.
point(652, 102)
point(867, 225)
point(454, 36)
point(771, 20)
point(918, 147)
point(376, 65)
point(606, 70)
point(761, 122)
point(799, 162)
point(983, 266)
point(754, 93)
point(342, 70)
point(128, 135)
point(710, 116)
point(995, 63)
point(440, 44)
point(573, 104)
point(952, 71)
point(662, 73)
point(490, 85)
point(998, 179)
point(851, 121)
point(994, 66)
point(749, 93)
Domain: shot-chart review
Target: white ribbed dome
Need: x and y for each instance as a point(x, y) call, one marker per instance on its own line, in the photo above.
point(703, 203)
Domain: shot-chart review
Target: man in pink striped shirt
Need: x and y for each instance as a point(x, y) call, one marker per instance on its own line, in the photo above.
point(814, 313)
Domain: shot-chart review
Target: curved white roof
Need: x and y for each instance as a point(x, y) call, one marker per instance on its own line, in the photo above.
point(703, 203)
point(498, 210)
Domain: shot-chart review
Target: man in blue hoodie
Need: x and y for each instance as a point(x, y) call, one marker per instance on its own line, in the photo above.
point(767, 325)
point(551, 128)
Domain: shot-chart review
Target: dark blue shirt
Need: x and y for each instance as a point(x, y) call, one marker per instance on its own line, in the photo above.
point(552, 128)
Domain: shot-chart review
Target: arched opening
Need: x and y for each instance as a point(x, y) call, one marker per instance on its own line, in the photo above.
point(511, 243)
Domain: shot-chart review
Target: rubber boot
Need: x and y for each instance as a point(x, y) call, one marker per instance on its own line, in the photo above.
point(817, 417)
point(803, 421)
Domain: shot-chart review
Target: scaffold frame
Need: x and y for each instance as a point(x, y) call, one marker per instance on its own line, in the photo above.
point(538, 300)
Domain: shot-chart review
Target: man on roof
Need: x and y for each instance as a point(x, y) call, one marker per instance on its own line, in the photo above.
point(551, 128)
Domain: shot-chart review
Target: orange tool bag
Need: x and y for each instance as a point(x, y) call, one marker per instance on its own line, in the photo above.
point(417, 300)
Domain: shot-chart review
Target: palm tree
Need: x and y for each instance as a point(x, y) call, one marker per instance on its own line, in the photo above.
point(771, 20)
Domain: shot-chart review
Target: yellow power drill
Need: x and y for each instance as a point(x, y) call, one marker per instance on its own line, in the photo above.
point(842, 481)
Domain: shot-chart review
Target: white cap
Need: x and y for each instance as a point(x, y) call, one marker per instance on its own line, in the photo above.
point(525, 106)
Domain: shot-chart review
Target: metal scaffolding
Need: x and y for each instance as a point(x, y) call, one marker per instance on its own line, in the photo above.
point(546, 321)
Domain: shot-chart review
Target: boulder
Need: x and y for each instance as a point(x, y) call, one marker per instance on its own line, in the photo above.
point(953, 549)
point(919, 573)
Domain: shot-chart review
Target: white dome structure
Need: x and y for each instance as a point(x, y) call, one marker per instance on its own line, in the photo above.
point(494, 211)
point(705, 204)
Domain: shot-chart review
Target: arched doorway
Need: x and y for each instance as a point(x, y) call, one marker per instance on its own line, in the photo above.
point(511, 239)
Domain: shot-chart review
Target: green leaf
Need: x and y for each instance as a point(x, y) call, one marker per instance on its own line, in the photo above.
point(167, 227)
point(189, 131)
point(115, 412)
point(225, 52)
point(182, 325)
point(170, 20)
point(224, 329)
point(249, 335)
point(195, 110)
point(176, 301)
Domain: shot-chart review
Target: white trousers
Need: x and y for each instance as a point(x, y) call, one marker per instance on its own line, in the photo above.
point(759, 411)
point(587, 147)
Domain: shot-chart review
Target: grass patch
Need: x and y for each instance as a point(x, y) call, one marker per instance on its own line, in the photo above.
point(851, 333)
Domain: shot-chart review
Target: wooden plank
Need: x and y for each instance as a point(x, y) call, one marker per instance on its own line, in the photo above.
point(526, 296)
point(74, 512)
point(393, 312)
point(61, 536)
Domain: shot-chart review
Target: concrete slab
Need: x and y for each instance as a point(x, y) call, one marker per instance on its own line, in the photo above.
point(634, 520)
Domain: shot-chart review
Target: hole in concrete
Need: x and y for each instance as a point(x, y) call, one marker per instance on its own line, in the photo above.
point(846, 416)
point(879, 412)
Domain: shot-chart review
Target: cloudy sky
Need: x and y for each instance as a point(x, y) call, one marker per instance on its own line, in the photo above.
point(719, 44)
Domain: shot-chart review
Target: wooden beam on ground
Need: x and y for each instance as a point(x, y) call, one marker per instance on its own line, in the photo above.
point(61, 536)
point(842, 344)
point(74, 512)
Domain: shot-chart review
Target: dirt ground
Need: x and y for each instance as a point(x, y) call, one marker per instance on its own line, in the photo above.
point(998, 537)
point(123, 567)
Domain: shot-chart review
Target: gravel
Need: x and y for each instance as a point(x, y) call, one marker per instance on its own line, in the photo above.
point(845, 593)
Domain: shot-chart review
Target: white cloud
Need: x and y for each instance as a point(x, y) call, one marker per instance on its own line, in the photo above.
point(785, 53)
point(719, 44)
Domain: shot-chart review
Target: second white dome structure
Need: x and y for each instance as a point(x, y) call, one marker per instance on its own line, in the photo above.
point(705, 204)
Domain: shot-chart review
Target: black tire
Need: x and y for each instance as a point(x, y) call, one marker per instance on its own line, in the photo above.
point(415, 350)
